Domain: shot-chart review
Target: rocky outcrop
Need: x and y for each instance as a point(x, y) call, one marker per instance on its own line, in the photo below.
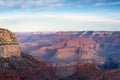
point(24, 68)
point(15, 65)
point(8, 44)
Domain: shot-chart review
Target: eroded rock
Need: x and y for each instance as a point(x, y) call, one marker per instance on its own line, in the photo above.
point(8, 44)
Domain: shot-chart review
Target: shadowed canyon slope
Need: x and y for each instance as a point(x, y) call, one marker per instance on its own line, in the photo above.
point(89, 71)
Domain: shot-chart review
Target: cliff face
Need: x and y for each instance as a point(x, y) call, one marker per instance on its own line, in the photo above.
point(8, 44)
point(17, 66)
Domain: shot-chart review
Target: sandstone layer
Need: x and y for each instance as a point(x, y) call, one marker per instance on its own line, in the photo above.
point(8, 44)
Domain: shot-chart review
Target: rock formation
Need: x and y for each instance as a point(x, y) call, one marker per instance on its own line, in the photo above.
point(94, 45)
point(64, 48)
point(15, 65)
point(8, 44)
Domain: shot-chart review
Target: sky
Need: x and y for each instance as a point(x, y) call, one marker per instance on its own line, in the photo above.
point(60, 15)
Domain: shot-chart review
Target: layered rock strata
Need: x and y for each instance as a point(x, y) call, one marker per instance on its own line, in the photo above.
point(8, 44)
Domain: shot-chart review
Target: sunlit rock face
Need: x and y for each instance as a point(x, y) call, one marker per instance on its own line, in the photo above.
point(8, 44)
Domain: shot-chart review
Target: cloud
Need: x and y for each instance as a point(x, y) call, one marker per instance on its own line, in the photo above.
point(59, 22)
point(53, 3)
point(56, 5)
point(18, 4)
point(85, 18)
point(65, 17)
point(107, 3)
point(30, 3)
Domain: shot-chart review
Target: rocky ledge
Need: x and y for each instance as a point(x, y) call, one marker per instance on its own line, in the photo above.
point(8, 44)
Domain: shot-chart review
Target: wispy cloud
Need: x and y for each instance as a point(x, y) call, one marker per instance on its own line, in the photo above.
point(107, 3)
point(85, 18)
point(59, 22)
point(18, 4)
point(28, 3)
point(82, 18)
point(41, 3)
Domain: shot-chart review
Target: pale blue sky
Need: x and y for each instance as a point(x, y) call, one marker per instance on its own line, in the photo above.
point(60, 15)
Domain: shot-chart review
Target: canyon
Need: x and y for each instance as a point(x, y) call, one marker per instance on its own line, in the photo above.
point(63, 50)
point(98, 47)
point(59, 56)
